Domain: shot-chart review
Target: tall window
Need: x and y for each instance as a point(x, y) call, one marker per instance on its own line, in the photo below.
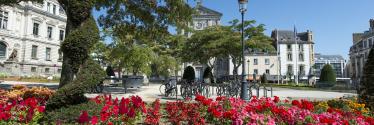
point(289, 47)
point(255, 71)
point(33, 69)
point(267, 71)
point(301, 47)
point(289, 56)
point(35, 29)
point(255, 61)
point(2, 50)
point(62, 34)
point(34, 52)
point(267, 61)
point(301, 57)
point(59, 55)
point(3, 19)
point(48, 54)
point(46, 70)
point(289, 69)
point(54, 9)
point(302, 70)
point(49, 32)
point(49, 7)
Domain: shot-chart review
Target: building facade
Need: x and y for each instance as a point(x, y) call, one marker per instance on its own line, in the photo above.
point(204, 18)
point(296, 52)
point(359, 51)
point(337, 62)
point(30, 36)
point(258, 63)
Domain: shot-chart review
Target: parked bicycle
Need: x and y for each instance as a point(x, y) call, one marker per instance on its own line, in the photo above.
point(168, 88)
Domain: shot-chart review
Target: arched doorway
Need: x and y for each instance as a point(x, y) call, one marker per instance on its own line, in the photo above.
point(3, 47)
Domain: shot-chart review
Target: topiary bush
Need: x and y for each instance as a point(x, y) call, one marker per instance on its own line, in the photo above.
point(328, 75)
point(264, 79)
point(366, 87)
point(109, 71)
point(208, 74)
point(189, 74)
point(90, 75)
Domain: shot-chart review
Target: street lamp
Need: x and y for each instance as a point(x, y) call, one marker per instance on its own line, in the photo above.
point(244, 92)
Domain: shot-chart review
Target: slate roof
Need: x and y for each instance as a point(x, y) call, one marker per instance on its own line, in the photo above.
point(206, 12)
point(287, 36)
point(320, 57)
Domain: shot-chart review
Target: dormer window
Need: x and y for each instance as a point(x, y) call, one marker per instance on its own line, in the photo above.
point(54, 9)
point(48, 7)
point(3, 19)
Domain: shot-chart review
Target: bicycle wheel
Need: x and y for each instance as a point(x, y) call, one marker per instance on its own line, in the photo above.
point(162, 89)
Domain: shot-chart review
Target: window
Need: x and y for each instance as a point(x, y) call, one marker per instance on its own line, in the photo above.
point(49, 32)
point(59, 56)
point(2, 50)
point(267, 71)
point(35, 30)
point(48, 54)
point(301, 47)
point(302, 70)
point(289, 47)
point(301, 57)
point(267, 61)
point(289, 69)
point(62, 35)
point(289, 56)
point(371, 43)
point(54, 9)
point(255, 62)
point(255, 71)
point(49, 7)
point(46, 70)
point(33, 69)
point(3, 19)
point(59, 70)
point(34, 52)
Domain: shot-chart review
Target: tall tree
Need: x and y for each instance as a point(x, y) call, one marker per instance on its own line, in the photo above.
point(366, 87)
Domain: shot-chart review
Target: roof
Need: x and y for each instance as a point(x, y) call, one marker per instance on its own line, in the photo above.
point(328, 57)
point(206, 12)
point(288, 36)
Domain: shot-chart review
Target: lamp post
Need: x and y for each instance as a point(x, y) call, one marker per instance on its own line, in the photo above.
point(244, 92)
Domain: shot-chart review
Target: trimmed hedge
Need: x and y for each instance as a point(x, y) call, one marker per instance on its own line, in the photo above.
point(208, 74)
point(366, 87)
point(328, 74)
point(90, 75)
point(189, 74)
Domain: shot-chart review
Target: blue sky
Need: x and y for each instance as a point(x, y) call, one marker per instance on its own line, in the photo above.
point(332, 21)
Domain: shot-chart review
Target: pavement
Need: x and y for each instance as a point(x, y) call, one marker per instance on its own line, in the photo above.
point(151, 92)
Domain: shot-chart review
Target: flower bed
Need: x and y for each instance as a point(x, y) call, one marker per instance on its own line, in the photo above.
point(230, 111)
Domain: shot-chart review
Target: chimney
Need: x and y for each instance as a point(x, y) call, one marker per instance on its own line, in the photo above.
point(357, 37)
point(372, 24)
point(310, 35)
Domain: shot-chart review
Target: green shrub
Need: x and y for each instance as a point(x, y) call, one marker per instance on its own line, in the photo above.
point(70, 114)
point(366, 89)
point(90, 75)
point(189, 74)
point(264, 79)
point(208, 74)
point(328, 74)
point(324, 84)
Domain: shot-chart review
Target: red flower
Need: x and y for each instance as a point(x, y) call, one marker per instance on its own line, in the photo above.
point(94, 120)
point(131, 113)
point(216, 113)
point(110, 123)
point(276, 99)
point(199, 98)
point(83, 118)
point(41, 109)
point(207, 102)
point(220, 98)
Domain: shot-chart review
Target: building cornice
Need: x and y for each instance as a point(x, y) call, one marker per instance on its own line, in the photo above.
point(28, 39)
point(27, 8)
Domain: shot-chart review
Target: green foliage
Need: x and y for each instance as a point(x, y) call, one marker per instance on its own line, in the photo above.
point(165, 65)
point(77, 46)
point(90, 75)
point(328, 74)
point(264, 79)
point(208, 74)
point(138, 60)
point(366, 87)
point(70, 114)
point(189, 74)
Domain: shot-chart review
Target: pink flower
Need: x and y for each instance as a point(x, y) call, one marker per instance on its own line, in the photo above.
point(94, 120)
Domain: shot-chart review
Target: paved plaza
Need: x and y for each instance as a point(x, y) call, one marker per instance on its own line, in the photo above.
point(151, 92)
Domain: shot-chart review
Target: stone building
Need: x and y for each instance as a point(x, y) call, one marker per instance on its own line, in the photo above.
point(337, 62)
point(296, 52)
point(204, 18)
point(359, 51)
point(30, 36)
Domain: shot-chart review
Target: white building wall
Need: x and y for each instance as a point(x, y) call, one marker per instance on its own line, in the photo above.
point(295, 58)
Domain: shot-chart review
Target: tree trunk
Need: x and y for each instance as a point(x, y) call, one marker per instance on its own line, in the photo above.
point(67, 74)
